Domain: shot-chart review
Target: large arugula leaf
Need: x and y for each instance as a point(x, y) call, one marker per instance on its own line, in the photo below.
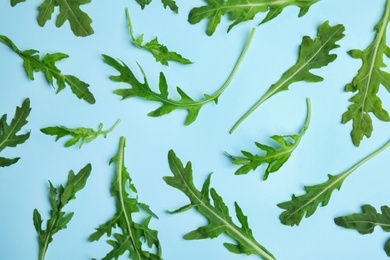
point(59, 197)
point(367, 82)
point(170, 3)
point(32, 63)
point(143, 90)
point(133, 234)
point(274, 157)
point(306, 205)
point(241, 11)
point(83, 134)
point(366, 221)
point(79, 21)
point(219, 220)
point(8, 133)
point(160, 52)
point(313, 54)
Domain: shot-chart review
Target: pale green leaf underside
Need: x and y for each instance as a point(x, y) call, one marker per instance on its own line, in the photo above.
point(132, 236)
point(240, 11)
point(367, 82)
point(9, 132)
point(317, 195)
point(32, 63)
point(217, 214)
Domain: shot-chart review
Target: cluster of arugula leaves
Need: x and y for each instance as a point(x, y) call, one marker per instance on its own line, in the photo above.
point(126, 235)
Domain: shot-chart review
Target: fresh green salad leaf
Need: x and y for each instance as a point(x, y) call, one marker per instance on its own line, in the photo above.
point(59, 197)
point(170, 3)
point(313, 54)
point(143, 90)
point(160, 52)
point(219, 220)
point(79, 21)
point(306, 205)
point(241, 11)
point(366, 221)
point(134, 237)
point(84, 134)
point(8, 133)
point(274, 157)
point(32, 63)
point(366, 83)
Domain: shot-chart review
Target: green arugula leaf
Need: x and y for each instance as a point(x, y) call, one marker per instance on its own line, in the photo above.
point(80, 22)
point(306, 205)
point(133, 234)
point(366, 84)
point(160, 52)
point(32, 63)
point(8, 133)
point(275, 158)
point(143, 90)
point(170, 3)
point(313, 54)
point(59, 197)
point(366, 221)
point(219, 220)
point(86, 135)
point(241, 11)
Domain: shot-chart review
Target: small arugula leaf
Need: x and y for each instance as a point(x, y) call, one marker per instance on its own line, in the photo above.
point(313, 54)
point(59, 197)
point(133, 236)
point(366, 221)
point(8, 133)
point(15, 2)
point(160, 52)
point(143, 90)
point(79, 21)
point(241, 11)
point(32, 63)
point(275, 158)
point(219, 220)
point(366, 84)
point(170, 3)
point(306, 205)
point(85, 135)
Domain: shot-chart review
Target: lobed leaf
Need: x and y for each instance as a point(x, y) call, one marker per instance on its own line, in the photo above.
point(313, 54)
point(366, 221)
point(133, 236)
point(9, 133)
point(217, 214)
point(367, 82)
point(240, 11)
point(274, 157)
point(170, 3)
point(32, 63)
point(305, 205)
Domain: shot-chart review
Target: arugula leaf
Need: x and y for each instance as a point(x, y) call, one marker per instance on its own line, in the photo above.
point(275, 158)
point(313, 54)
point(59, 197)
point(143, 90)
point(86, 135)
point(132, 233)
point(80, 22)
point(170, 3)
point(219, 220)
point(366, 83)
point(32, 62)
point(160, 52)
point(241, 11)
point(306, 205)
point(366, 221)
point(8, 133)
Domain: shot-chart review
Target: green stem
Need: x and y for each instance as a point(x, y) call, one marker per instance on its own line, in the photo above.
point(112, 128)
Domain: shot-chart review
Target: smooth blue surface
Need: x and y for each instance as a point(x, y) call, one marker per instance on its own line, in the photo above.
point(326, 147)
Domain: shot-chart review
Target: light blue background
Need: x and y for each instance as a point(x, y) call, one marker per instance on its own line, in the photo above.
point(326, 147)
